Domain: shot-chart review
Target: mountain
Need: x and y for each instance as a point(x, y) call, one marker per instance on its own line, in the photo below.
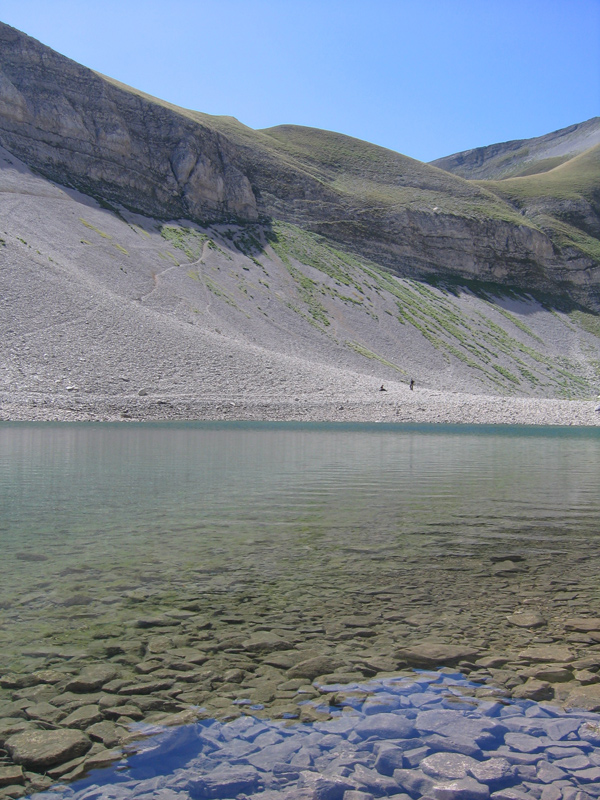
point(521, 157)
point(154, 258)
point(109, 141)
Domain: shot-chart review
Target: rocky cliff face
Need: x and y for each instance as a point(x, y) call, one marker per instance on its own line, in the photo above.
point(76, 127)
point(81, 129)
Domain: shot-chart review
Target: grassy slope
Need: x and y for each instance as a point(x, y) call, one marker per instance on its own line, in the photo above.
point(304, 173)
point(356, 174)
point(572, 183)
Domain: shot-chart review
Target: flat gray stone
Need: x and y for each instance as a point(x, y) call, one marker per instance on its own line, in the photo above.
point(549, 773)
point(92, 678)
point(45, 712)
point(524, 743)
point(265, 642)
point(547, 654)
point(313, 667)
point(586, 698)
point(415, 782)
point(446, 722)
point(583, 624)
point(388, 759)
point(224, 782)
point(454, 744)
point(460, 789)
point(373, 781)
point(492, 771)
point(526, 619)
point(385, 726)
point(11, 776)
point(534, 689)
point(324, 787)
point(431, 654)
point(447, 766)
point(286, 659)
point(156, 622)
point(38, 750)
point(83, 717)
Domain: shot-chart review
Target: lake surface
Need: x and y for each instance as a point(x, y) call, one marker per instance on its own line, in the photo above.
point(100, 519)
point(205, 561)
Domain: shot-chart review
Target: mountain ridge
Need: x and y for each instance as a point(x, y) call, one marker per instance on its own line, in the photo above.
point(520, 157)
point(116, 143)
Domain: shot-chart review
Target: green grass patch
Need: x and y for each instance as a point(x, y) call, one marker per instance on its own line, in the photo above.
point(589, 322)
point(364, 351)
point(94, 228)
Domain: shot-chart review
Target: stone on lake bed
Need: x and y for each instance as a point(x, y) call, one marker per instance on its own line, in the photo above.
point(11, 776)
point(146, 688)
point(460, 789)
point(156, 622)
point(586, 698)
point(83, 717)
point(313, 667)
point(11, 681)
point(45, 712)
point(92, 678)
point(526, 619)
point(583, 624)
point(492, 771)
point(38, 750)
point(431, 654)
point(265, 642)
point(12, 725)
point(534, 689)
point(385, 726)
point(286, 659)
point(547, 654)
point(507, 568)
point(224, 782)
point(447, 766)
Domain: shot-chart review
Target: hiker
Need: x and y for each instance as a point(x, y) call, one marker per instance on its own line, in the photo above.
point(382, 388)
point(412, 384)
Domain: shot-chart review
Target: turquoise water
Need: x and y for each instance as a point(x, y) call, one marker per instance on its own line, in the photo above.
point(103, 509)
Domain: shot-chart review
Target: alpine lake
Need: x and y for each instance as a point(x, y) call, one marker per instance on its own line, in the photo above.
point(160, 574)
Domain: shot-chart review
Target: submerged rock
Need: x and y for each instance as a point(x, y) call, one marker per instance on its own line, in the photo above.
point(38, 750)
point(431, 654)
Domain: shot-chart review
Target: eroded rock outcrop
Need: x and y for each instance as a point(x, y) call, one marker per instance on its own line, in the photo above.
point(76, 127)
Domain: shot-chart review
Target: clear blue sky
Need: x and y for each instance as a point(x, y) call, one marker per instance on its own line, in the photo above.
point(424, 77)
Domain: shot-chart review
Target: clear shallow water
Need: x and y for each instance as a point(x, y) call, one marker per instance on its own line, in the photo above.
point(306, 531)
point(89, 512)
point(419, 735)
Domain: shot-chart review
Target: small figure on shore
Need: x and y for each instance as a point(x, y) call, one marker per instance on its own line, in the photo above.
point(412, 385)
point(382, 388)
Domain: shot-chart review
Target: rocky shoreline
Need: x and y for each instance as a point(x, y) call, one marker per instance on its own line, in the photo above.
point(395, 404)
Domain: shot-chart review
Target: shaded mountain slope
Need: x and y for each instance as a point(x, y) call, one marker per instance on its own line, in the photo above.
point(127, 149)
point(521, 157)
